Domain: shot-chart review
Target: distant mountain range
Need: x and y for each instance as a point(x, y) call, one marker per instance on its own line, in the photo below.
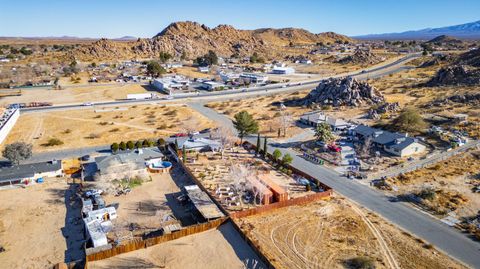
point(464, 31)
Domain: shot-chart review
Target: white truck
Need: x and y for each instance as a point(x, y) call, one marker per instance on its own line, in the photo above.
point(141, 96)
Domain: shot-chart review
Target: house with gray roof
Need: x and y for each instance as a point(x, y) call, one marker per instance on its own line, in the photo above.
point(135, 160)
point(394, 143)
point(199, 144)
point(315, 118)
point(26, 173)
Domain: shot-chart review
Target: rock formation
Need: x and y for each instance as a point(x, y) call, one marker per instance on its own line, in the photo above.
point(455, 75)
point(361, 57)
point(343, 92)
point(196, 39)
point(465, 70)
point(376, 112)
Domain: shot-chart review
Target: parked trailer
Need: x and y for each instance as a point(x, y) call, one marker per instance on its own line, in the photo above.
point(31, 104)
point(141, 96)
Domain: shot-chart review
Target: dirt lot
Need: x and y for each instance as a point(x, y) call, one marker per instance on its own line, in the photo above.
point(75, 94)
point(194, 251)
point(453, 180)
point(100, 126)
point(147, 206)
point(31, 225)
point(403, 87)
point(331, 234)
point(262, 109)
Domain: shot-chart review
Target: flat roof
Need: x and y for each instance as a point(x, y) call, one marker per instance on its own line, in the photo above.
point(203, 203)
point(28, 170)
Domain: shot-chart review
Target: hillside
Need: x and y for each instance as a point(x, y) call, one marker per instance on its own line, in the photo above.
point(466, 31)
point(465, 70)
point(445, 39)
point(196, 39)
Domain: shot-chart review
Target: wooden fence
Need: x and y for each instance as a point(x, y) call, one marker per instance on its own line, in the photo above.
point(254, 246)
point(295, 201)
point(144, 243)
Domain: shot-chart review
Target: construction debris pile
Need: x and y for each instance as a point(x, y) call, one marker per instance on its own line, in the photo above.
point(343, 92)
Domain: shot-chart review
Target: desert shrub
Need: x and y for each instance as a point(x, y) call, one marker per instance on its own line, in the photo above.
point(172, 113)
point(427, 194)
point(361, 263)
point(114, 130)
point(162, 126)
point(103, 123)
point(53, 142)
point(97, 117)
point(93, 136)
point(67, 131)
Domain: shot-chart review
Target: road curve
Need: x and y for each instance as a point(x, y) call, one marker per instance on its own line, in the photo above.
point(447, 239)
point(373, 72)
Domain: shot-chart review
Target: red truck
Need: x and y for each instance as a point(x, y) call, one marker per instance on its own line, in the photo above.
point(334, 148)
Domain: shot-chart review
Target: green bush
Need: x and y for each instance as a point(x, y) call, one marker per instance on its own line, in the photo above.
point(114, 147)
point(130, 145)
point(122, 145)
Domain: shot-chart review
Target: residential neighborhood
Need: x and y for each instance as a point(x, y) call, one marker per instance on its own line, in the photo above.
point(309, 134)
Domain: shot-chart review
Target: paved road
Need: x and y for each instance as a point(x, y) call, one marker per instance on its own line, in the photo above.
point(445, 238)
point(374, 72)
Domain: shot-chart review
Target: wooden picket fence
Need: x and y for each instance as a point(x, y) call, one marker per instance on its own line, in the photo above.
point(144, 243)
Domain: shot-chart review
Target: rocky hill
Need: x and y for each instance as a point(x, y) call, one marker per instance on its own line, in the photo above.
point(361, 57)
point(444, 39)
point(343, 92)
point(456, 75)
point(465, 70)
point(196, 39)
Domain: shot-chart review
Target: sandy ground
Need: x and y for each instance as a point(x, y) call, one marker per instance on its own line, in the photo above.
point(265, 112)
point(87, 93)
point(455, 177)
point(148, 204)
point(328, 234)
point(30, 225)
point(403, 87)
point(222, 248)
point(108, 125)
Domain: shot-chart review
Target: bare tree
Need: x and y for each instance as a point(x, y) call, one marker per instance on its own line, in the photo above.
point(225, 137)
point(284, 120)
point(367, 144)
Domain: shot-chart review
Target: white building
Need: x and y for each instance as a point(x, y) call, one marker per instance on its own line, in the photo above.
point(211, 85)
point(103, 214)
point(203, 69)
point(170, 83)
point(283, 70)
point(254, 78)
point(226, 77)
point(7, 121)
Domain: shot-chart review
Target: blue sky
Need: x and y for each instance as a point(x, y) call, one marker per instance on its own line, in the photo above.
point(103, 18)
